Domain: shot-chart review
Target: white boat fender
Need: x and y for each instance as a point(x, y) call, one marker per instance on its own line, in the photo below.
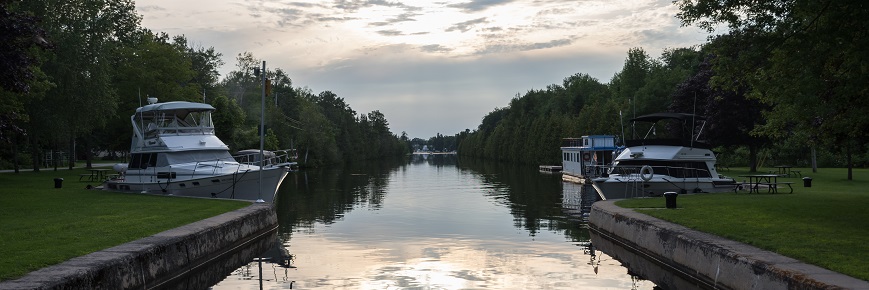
point(120, 167)
point(646, 173)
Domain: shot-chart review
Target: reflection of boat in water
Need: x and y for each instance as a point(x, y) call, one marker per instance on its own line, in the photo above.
point(576, 200)
point(669, 157)
point(174, 151)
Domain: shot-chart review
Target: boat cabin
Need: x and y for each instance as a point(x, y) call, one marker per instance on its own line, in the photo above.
point(175, 126)
point(587, 157)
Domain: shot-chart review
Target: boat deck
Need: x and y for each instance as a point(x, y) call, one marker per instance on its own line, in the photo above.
point(550, 168)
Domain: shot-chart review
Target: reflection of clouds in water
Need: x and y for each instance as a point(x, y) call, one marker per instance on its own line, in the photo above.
point(441, 227)
point(449, 264)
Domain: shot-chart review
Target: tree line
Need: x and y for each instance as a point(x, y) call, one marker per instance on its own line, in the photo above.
point(787, 84)
point(75, 71)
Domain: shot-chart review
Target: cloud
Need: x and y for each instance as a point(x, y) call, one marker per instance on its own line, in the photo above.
point(434, 48)
point(515, 47)
point(390, 32)
point(428, 95)
point(467, 25)
point(404, 17)
point(150, 8)
point(479, 5)
point(430, 67)
point(352, 6)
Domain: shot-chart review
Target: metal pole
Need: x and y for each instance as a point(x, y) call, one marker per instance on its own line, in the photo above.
point(262, 133)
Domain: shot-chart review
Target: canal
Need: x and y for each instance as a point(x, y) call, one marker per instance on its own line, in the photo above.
point(431, 222)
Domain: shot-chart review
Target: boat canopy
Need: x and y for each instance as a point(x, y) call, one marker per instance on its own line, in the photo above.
point(176, 106)
point(662, 116)
point(677, 129)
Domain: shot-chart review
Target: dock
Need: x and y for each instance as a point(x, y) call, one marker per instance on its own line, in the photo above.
point(550, 168)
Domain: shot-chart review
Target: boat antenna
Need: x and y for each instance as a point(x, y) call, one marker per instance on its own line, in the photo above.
point(622, 124)
point(693, 113)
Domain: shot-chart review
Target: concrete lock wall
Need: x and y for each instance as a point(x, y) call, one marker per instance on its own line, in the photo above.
point(717, 261)
point(149, 262)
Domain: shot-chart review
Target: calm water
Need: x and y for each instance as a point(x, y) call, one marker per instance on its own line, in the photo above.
point(432, 223)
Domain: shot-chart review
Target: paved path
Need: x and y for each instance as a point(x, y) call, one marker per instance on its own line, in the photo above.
point(78, 165)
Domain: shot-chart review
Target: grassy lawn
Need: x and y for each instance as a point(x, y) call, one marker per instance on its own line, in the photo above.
point(42, 226)
point(826, 225)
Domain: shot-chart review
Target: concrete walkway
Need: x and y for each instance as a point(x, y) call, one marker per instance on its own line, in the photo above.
point(78, 165)
point(721, 262)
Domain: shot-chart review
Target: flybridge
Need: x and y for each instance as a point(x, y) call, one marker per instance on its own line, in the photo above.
point(176, 125)
point(669, 129)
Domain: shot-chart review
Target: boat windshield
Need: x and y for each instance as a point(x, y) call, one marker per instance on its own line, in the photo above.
point(177, 122)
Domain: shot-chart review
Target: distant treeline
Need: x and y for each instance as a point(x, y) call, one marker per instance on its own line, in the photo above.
point(74, 72)
point(787, 82)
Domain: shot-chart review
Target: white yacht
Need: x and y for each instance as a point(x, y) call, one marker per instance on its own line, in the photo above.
point(174, 151)
point(669, 157)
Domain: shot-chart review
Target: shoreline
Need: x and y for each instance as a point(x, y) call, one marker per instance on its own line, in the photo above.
point(155, 260)
point(738, 266)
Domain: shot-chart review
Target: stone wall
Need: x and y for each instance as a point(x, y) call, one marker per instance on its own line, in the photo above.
point(711, 259)
point(150, 262)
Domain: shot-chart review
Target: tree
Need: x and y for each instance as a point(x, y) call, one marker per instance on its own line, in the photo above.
point(87, 36)
point(626, 83)
point(731, 116)
point(19, 36)
point(228, 121)
point(802, 54)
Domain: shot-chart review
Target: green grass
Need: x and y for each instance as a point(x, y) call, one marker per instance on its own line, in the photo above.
point(42, 226)
point(826, 225)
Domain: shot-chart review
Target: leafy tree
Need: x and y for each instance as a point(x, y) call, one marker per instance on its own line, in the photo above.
point(19, 36)
point(228, 120)
point(87, 35)
point(731, 117)
point(801, 53)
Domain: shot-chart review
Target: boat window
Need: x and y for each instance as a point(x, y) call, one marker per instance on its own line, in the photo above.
point(198, 156)
point(680, 169)
point(142, 160)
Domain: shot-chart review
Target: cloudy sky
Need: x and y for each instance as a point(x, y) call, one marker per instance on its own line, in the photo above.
point(429, 66)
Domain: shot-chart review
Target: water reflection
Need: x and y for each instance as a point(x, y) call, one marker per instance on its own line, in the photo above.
point(433, 222)
point(216, 269)
point(640, 266)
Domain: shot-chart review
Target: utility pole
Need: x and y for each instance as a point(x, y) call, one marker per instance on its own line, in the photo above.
point(262, 132)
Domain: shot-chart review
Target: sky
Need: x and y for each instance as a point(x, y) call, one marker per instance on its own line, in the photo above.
point(429, 66)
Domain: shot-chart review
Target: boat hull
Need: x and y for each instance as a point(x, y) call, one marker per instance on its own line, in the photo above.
point(632, 187)
point(242, 185)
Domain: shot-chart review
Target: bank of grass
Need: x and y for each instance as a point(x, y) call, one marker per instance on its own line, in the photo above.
point(42, 226)
point(826, 225)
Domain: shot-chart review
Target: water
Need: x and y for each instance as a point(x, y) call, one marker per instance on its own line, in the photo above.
point(432, 223)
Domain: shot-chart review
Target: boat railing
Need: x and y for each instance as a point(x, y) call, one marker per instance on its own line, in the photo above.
point(181, 130)
point(271, 158)
point(672, 171)
point(596, 170)
point(215, 166)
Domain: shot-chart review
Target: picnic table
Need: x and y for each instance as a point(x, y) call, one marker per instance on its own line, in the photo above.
point(784, 169)
point(787, 170)
point(770, 180)
point(96, 174)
